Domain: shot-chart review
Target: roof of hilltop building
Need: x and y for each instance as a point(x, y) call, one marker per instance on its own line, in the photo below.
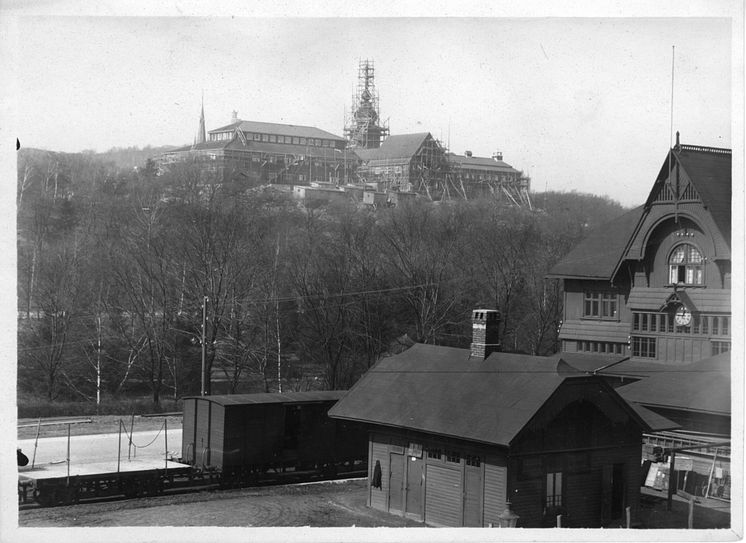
point(480, 163)
point(403, 146)
point(439, 389)
point(266, 147)
point(278, 128)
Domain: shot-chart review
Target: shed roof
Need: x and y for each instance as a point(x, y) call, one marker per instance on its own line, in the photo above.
point(438, 390)
point(274, 398)
point(278, 128)
point(597, 256)
point(702, 386)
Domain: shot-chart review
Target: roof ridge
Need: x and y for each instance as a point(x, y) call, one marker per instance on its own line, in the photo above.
point(705, 149)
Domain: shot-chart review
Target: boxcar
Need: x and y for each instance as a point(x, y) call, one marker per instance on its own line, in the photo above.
point(254, 433)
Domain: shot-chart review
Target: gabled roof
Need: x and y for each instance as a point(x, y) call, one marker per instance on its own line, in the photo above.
point(597, 256)
point(439, 390)
point(480, 163)
point(709, 169)
point(278, 128)
point(310, 396)
point(403, 146)
point(702, 386)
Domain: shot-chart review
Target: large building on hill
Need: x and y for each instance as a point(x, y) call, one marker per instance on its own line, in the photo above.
point(265, 153)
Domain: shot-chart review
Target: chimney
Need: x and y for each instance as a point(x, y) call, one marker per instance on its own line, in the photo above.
point(484, 324)
point(498, 155)
point(234, 116)
point(467, 153)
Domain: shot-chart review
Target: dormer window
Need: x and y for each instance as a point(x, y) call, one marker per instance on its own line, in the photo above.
point(686, 265)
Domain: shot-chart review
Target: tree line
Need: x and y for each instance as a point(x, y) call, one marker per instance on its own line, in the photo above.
point(118, 268)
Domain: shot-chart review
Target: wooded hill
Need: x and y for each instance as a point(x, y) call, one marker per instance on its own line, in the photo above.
point(114, 264)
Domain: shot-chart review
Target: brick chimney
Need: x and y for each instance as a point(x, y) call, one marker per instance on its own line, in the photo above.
point(234, 116)
point(485, 340)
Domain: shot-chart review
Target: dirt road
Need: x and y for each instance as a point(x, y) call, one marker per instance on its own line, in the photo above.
point(329, 504)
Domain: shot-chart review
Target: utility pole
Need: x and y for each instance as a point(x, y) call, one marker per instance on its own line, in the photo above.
point(205, 299)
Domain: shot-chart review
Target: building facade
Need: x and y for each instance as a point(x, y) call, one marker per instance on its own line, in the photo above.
point(265, 153)
point(455, 436)
point(655, 283)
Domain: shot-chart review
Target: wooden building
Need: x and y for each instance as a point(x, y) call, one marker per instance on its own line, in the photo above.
point(655, 283)
point(475, 177)
point(264, 153)
point(454, 436)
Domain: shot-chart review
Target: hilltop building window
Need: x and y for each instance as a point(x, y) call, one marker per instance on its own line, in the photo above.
point(686, 265)
point(643, 347)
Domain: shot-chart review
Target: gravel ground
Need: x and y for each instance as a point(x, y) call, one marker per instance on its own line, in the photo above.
point(329, 504)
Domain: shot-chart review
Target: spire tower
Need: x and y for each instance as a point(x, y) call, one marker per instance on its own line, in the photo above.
point(201, 134)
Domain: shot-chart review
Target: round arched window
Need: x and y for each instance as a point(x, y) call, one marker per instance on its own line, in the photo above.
point(686, 265)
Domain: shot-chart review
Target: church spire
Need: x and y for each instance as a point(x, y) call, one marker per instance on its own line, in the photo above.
point(201, 137)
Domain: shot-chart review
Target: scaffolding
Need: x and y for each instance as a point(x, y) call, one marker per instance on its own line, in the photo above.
point(362, 126)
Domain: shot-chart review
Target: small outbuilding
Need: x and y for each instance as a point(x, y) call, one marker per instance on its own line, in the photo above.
point(454, 436)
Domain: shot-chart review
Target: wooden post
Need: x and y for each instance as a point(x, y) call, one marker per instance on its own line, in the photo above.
point(119, 448)
point(165, 435)
point(68, 454)
point(132, 429)
point(36, 442)
point(691, 513)
point(671, 482)
point(712, 469)
point(628, 510)
point(559, 521)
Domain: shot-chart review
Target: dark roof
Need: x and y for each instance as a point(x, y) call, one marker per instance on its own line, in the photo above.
point(277, 128)
point(710, 171)
point(610, 365)
point(273, 397)
point(597, 256)
point(439, 389)
point(395, 147)
point(480, 163)
point(702, 386)
point(271, 148)
point(201, 146)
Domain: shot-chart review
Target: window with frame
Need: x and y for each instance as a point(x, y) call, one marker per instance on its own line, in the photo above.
point(434, 453)
point(453, 456)
point(720, 347)
point(600, 305)
point(473, 460)
point(686, 265)
point(643, 347)
point(554, 489)
point(257, 137)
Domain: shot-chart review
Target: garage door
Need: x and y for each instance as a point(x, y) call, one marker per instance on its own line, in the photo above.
point(443, 496)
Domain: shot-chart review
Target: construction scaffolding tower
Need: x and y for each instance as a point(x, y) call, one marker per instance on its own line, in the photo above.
point(362, 126)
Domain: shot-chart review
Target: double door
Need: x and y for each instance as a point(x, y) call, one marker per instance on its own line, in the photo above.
point(406, 485)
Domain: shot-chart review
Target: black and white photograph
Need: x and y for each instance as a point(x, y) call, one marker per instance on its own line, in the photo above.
point(395, 272)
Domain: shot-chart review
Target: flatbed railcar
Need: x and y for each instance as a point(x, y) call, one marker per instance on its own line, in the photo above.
point(227, 441)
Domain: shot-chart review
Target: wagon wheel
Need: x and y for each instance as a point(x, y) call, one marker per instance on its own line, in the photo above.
point(46, 497)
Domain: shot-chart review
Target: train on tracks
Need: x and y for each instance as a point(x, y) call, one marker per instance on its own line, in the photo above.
point(228, 441)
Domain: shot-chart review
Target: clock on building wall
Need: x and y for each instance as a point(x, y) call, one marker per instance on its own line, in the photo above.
point(683, 317)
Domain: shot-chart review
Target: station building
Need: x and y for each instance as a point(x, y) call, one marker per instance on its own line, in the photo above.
point(454, 436)
point(648, 306)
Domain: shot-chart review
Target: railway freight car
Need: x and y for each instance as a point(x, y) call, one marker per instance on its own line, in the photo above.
point(248, 436)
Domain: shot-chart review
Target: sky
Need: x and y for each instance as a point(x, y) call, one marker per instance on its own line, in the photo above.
point(576, 103)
